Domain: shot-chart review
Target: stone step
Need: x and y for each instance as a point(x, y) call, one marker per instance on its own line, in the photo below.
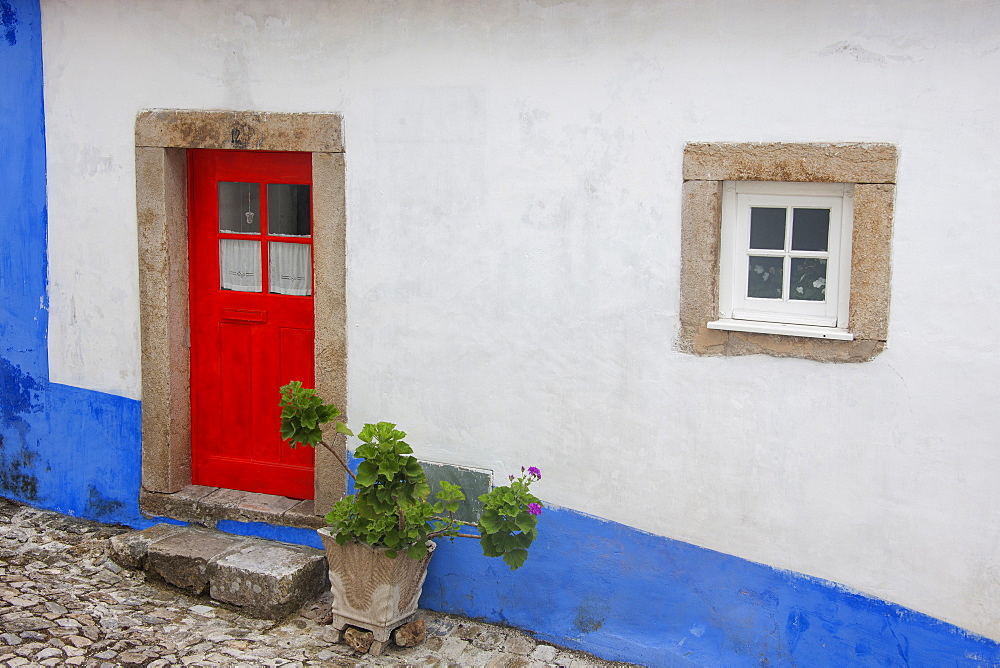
point(265, 578)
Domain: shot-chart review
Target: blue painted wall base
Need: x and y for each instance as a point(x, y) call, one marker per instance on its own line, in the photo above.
point(627, 595)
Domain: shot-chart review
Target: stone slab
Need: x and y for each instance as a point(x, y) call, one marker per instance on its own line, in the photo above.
point(184, 504)
point(208, 505)
point(849, 162)
point(183, 558)
point(268, 579)
point(303, 514)
point(248, 506)
point(130, 549)
point(247, 130)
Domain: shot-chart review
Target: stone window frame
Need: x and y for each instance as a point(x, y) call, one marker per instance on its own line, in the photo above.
point(162, 139)
point(870, 167)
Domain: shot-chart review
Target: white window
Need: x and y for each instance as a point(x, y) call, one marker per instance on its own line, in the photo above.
point(785, 261)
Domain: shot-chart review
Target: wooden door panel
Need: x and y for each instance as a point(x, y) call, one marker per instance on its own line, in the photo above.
point(236, 401)
point(245, 345)
point(295, 356)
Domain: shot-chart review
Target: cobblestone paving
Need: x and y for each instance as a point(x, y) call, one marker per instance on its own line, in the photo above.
point(64, 602)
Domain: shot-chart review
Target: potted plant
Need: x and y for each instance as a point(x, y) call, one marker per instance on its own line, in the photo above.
point(391, 516)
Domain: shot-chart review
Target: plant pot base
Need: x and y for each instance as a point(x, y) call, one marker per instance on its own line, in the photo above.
point(370, 590)
point(382, 632)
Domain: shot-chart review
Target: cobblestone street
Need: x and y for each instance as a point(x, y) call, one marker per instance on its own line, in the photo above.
point(63, 601)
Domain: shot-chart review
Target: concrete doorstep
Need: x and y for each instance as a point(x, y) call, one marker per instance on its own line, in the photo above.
point(265, 579)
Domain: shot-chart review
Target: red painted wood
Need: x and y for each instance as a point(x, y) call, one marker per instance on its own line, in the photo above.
point(244, 345)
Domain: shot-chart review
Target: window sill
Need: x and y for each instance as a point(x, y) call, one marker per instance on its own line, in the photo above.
point(781, 329)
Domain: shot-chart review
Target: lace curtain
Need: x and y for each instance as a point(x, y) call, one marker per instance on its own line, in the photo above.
point(289, 269)
point(239, 265)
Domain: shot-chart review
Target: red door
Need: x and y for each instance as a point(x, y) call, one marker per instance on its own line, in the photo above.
point(251, 316)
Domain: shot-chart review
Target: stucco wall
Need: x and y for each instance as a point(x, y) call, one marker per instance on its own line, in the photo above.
point(514, 194)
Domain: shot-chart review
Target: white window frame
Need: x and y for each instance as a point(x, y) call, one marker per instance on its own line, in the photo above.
point(737, 312)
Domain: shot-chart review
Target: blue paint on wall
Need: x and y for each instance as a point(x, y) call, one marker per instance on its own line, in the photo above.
point(627, 595)
point(8, 22)
point(23, 318)
point(93, 455)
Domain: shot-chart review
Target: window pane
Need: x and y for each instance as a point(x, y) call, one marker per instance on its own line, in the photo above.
point(810, 229)
point(239, 207)
point(288, 209)
point(239, 265)
point(767, 228)
point(289, 268)
point(808, 279)
point(764, 279)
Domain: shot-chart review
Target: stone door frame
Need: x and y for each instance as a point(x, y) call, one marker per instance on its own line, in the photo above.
point(162, 139)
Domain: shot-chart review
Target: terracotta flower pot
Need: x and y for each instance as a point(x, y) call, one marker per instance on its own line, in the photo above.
point(370, 590)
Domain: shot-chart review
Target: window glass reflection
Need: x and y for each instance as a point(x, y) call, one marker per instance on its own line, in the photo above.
point(767, 228)
point(811, 229)
point(764, 278)
point(239, 207)
point(288, 209)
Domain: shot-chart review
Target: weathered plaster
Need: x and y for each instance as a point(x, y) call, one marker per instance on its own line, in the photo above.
point(161, 201)
point(162, 138)
point(871, 260)
point(245, 130)
point(330, 304)
point(870, 166)
point(779, 161)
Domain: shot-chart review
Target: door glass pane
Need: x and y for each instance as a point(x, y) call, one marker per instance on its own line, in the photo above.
point(811, 229)
point(289, 268)
point(808, 279)
point(767, 228)
point(764, 279)
point(239, 265)
point(288, 209)
point(239, 207)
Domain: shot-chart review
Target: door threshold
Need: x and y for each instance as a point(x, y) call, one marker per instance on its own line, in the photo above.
point(207, 506)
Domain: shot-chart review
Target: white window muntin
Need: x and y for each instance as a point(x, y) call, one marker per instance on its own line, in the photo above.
point(740, 311)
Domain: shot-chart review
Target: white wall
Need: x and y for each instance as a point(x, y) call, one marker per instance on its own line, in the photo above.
point(513, 231)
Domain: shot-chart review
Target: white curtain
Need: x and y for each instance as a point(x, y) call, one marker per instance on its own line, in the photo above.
point(290, 269)
point(239, 265)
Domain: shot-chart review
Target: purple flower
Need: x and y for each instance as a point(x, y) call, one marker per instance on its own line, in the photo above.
point(534, 509)
point(534, 472)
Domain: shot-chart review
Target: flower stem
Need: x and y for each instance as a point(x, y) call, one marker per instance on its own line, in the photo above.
point(339, 459)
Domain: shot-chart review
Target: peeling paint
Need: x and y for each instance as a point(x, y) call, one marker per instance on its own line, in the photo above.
point(16, 466)
point(99, 507)
point(18, 394)
point(18, 398)
point(8, 21)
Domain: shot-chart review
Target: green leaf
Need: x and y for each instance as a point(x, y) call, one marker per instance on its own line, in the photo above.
point(526, 522)
point(417, 551)
point(367, 474)
point(342, 429)
point(515, 558)
point(489, 522)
